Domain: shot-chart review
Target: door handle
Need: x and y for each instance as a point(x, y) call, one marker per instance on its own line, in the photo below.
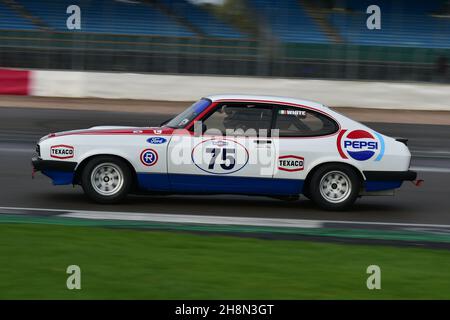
point(263, 141)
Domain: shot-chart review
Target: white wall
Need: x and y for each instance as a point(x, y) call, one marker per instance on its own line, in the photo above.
point(368, 94)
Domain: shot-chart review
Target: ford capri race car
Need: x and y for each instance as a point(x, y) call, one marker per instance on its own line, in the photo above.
point(232, 144)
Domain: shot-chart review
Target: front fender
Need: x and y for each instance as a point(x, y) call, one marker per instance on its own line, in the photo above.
point(103, 152)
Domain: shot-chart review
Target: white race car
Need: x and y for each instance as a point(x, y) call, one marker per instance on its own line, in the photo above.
point(232, 144)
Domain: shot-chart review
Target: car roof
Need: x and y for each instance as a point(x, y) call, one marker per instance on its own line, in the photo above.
point(266, 98)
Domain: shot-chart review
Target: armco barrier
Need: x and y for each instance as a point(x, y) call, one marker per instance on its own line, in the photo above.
point(335, 93)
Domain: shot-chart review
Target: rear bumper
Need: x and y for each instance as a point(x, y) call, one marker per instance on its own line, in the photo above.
point(390, 175)
point(386, 180)
point(52, 165)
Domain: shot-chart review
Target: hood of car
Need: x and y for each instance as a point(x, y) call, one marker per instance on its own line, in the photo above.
point(112, 130)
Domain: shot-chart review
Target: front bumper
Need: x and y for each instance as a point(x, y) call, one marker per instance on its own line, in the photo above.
point(61, 172)
point(52, 165)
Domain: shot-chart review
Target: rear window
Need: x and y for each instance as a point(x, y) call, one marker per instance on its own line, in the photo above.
point(298, 122)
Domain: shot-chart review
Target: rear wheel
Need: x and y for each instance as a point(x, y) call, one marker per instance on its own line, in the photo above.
point(334, 187)
point(106, 179)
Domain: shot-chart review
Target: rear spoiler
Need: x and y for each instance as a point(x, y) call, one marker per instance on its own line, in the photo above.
point(402, 140)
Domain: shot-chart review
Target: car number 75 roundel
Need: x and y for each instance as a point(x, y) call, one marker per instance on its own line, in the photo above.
point(220, 156)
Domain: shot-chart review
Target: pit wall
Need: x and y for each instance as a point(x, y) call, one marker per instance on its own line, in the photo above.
point(334, 93)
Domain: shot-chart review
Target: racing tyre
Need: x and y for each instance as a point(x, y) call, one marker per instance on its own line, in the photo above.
point(106, 179)
point(334, 187)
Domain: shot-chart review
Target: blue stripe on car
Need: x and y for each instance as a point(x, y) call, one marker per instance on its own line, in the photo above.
point(381, 185)
point(218, 184)
point(59, 177)
point(188, 183)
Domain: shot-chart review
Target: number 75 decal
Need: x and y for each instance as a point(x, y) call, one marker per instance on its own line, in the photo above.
point(213, 157)
point(228, 155)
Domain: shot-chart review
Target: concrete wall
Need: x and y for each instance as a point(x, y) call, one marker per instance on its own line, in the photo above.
point(384, 95)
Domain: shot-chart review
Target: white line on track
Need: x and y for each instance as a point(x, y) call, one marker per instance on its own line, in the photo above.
point(216, 220)
point(196, 219)
point(24, 150)
point(430, 169)
point(431, 152)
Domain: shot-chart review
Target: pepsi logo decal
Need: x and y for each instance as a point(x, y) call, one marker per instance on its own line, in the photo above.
point(149, 157)
point(291, 163)
point(62, 151)
point(156, 140)
point(360, 145)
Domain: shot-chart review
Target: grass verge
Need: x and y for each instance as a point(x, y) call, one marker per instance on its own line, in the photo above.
point(130, 264)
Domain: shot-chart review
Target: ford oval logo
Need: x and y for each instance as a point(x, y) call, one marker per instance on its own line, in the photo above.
point(220, 156)
point(156, 140)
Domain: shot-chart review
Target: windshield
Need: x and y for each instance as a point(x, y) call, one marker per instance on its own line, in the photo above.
point(184, 118)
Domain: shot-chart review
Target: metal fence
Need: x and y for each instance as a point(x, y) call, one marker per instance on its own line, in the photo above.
point(198, 55)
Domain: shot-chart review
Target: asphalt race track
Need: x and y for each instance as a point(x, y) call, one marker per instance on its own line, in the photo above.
point(20, 128)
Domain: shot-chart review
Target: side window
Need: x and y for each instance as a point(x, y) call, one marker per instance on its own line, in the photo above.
point(239, 119)
point(297, 122)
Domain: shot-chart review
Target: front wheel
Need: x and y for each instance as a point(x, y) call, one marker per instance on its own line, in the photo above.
point(106, 179)
point(334, 187)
